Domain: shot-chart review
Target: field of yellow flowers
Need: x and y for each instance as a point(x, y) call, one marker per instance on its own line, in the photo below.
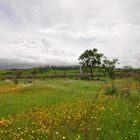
point(68, 109)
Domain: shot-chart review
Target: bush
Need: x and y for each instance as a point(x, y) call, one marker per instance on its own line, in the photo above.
point(111, 90)
point(16, 81)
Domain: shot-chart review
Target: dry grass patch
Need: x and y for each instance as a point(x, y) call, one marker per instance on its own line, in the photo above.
point(10, 88)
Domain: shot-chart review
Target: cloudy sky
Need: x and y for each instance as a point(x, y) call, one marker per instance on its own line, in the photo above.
point(41, 32)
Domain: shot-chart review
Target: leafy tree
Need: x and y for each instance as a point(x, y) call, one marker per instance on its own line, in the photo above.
point(90, 59)
point(127, 69)
point(109, 66)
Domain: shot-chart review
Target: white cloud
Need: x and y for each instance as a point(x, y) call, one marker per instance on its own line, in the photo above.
point(58, 31)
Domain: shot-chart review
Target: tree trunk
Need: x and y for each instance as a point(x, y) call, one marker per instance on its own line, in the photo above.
point(91, 72)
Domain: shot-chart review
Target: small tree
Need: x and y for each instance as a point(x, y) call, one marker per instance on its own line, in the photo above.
point(109, 66)
point(127, 69)
point(90, 59)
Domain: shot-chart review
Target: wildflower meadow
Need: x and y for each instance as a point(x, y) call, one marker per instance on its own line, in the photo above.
point(69, 109)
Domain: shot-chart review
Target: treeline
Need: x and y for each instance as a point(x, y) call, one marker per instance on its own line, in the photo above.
point(92, 65)
point(64, 71)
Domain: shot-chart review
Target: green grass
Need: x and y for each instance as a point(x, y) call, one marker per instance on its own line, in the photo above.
point(45, 93)
point(57, 109)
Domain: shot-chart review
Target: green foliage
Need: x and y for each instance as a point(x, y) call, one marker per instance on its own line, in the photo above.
point(90, 59)
point(111, 89)
point(127, 68)
point(34, 72)
point(109, 66)
point(16, 81)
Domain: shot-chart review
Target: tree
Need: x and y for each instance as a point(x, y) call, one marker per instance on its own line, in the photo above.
point(127, 69)
point(109, 66)
point(90, 59)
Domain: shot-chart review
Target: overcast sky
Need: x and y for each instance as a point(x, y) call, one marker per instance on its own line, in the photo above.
point(41, 32)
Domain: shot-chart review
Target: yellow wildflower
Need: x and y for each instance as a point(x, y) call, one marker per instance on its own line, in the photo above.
point(99, 129)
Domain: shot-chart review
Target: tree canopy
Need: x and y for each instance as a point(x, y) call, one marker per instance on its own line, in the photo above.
point(90, 59)
point(109, 66)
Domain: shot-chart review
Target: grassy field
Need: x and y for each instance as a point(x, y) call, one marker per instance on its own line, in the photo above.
point(57, 109)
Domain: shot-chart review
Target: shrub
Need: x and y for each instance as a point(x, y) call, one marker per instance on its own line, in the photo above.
point(111, 90)
point(16, 81)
